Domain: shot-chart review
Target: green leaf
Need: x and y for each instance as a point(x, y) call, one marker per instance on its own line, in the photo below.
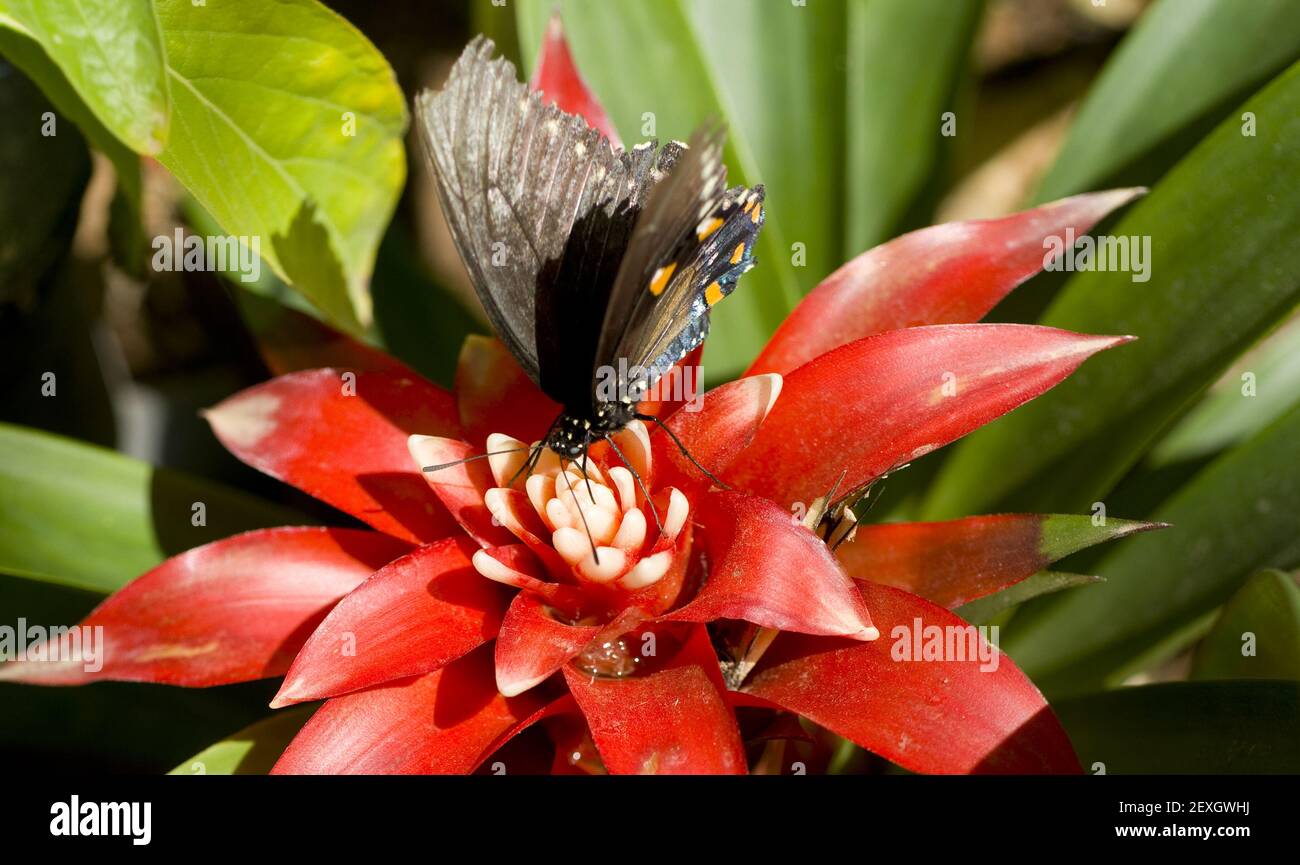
point(89, 518)
point(1232, 519)
point(111, 53)
point(287, 125)
point(251, 751)
point(983, 610)
point(1257, 635)
point(1176, 74)
point(1237, 407)
point(1224, 268)
point(689, 68)
point(1187, 727)
point(284, 122)
point(896, 104)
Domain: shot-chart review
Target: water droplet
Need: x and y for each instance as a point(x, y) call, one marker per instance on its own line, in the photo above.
point(609, 659)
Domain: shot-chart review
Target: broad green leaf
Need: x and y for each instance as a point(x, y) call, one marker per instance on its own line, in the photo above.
point(1236, 516)
point(1256, 391)
point(1175, 75)
point(985, 609)
point(662, 69)
point(287, 125)
point(22, 50)
point(251, 751)
point(1187, 728)
point(1257, 635)
point(780, 110)
point(111, 53)
point(89, 518)
point(1224, 268)
point(906, 59)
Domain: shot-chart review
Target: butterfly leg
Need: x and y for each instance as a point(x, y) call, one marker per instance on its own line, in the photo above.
point(640, 483)
point(681, 447)
point(586, 444)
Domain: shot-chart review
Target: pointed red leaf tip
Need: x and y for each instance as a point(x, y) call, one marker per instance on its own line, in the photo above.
point(413, 616)
point(952, 563)
point(946, 274)
point(532, 645)
point(495, 395)
point(670, 722)
point(230, 611)
point(341, 436)
point(714, 430)
point(933, 716)
point(442, 723)
point(558, 80)
point(766, 569)
point(873, 405)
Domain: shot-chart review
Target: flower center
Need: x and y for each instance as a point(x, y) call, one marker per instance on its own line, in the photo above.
point(586, 515)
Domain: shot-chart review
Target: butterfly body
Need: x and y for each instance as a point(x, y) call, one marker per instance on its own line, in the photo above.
point(595, 264)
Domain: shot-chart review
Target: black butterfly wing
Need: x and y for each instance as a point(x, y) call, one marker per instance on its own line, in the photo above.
point(574, 291)
point(693, 241)
point(540, 208)
point(721, 252)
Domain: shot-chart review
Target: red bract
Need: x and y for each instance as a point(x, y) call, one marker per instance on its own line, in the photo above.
point(630, 619)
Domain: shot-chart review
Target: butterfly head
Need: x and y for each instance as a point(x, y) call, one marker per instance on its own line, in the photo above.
point(573, 432)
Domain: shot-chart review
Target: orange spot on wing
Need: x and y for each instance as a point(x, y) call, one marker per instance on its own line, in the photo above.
point(660, 280)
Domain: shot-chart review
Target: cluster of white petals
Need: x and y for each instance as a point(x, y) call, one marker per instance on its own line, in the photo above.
point(597, 523)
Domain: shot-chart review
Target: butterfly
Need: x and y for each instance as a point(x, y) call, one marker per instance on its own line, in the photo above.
point(593, 263)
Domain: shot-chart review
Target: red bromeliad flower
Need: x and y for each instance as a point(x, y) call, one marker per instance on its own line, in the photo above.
point(706, 618)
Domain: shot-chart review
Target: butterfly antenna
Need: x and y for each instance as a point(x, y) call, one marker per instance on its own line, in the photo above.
point(442, 466)
point(681, 447)
point(640, 483)
point(582, 513)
